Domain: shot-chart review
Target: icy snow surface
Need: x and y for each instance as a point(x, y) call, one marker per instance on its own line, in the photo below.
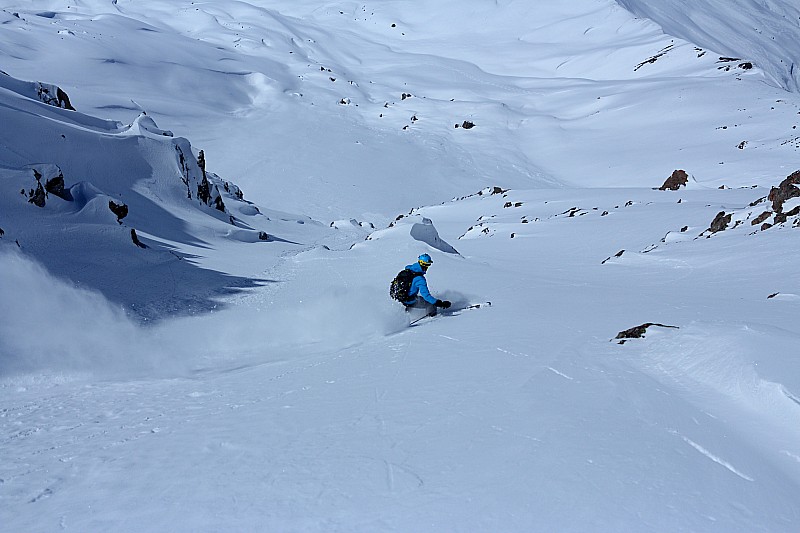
point(242, 368)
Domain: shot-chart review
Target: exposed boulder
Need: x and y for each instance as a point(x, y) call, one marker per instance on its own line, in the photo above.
point(219, 204)
point(638, 332)
point(206, 192)
point(135, 239)
point(678, 179)
point(53, 95)
point(203, 193)
point(784, 201)
point(761, 218)
point(55, 185)
point(720, 222)
point(120, 210)
point(618, 254)
point(53, 180)
point(783, 192)
point(38, 197)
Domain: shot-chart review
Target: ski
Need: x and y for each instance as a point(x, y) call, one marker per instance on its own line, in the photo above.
point(474, 306)
point(452, 311)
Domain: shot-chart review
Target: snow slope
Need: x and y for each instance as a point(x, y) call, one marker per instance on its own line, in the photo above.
point(762, 32)
point(540, 82)
point(88, 166)
point(215, 381)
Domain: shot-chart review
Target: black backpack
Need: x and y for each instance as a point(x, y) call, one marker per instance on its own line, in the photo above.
point(401, 284)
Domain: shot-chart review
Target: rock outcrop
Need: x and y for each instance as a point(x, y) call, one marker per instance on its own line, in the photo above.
point(784, 201)
point(678, 179)
point(120, 210)
point(638, 332)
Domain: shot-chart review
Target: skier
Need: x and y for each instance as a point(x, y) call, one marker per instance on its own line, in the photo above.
point(419, 297)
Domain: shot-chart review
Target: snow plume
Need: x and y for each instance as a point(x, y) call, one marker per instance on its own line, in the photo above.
point(263, 332)
point(49, 326)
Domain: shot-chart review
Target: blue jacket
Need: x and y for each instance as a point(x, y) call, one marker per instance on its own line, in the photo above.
point(419, 287)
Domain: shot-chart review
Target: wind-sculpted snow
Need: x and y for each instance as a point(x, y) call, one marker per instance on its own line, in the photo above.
point(66, 177)
point(425, 231)
point(539, 88)
point(765, 33)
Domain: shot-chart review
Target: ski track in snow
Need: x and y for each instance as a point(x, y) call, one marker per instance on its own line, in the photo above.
point(553, 370)
point(714, 458)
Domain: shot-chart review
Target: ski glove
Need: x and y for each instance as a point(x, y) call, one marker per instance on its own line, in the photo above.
point(443, 304)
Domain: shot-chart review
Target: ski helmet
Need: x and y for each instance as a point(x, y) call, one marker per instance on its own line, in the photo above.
point(425, 260)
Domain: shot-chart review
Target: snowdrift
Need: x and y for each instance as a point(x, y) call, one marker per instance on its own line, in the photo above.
point(128, 210)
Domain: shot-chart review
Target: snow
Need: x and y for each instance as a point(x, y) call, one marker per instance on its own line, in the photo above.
point(246, 371)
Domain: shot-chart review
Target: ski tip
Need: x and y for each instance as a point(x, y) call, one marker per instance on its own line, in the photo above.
point(479, 305)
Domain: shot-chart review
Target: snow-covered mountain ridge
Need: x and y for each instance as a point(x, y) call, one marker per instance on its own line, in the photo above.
point(538, 90)
point(117, 202)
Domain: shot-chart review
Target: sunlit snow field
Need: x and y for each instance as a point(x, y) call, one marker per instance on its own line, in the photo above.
point(246, 369)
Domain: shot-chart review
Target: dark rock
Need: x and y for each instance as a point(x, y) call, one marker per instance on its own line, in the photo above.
point(120, 210)
point(201, 161)
point(786, 190)
point(55, 185)
point(678, 179)
point(38, 197)
point(63, 99)
point(639, 331)
point(761, 218)
point(467, 125)
point(219, 204)
point(59, 99)
point(203, 188)
point(2, 232)
point(618, 254)
point(203, 193)
point(263, 236)
point(720, 222)
point(135, 239)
